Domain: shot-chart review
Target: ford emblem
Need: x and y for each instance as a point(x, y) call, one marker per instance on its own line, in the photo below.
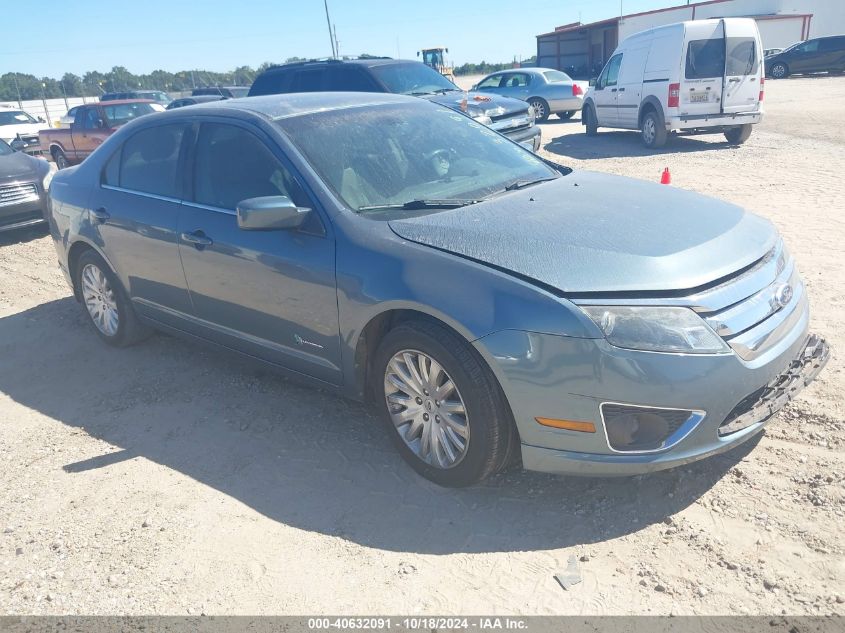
point(783, 295)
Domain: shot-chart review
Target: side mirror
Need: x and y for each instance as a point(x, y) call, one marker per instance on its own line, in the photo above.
point(17, 145)
point(101, 124)
point(474, 87)
point(270, 213)
point(41, 119)
point(593, 81)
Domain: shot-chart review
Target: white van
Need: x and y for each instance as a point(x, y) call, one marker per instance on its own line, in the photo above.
point(703, 76)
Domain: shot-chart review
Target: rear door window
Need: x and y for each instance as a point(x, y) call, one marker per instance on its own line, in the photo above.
point(307, 81)
point(150, 160)
point(705, 58)
point(832, 44)
point(742, 56)
point(351, 79)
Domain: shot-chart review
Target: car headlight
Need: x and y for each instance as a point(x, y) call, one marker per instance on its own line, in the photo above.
point(656, 329)
point(483, 119)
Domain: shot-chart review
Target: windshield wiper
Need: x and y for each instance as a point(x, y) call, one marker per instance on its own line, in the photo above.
point(413, 205)
point(441, 91)
point(521, 184)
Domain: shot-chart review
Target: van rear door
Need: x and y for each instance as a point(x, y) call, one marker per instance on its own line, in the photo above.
point(703, 70)
point(743, 55)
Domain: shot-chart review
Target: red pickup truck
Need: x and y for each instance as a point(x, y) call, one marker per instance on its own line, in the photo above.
point(93, 124)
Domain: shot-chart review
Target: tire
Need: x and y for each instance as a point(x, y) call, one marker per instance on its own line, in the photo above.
point(739, 134)
point(566, 115)
point(489, 433)
point(780, 71)
point(99, 288)
point(541, 109)
point(591, 124)
point(59, 157)
point(652, 130)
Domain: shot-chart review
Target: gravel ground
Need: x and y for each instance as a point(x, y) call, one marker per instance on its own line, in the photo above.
point(170, 479)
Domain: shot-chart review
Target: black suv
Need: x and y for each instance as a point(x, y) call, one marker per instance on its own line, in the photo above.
point(811, 56)
point(510, 117)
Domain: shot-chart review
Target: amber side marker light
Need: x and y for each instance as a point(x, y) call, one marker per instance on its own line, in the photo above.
point(569, 425)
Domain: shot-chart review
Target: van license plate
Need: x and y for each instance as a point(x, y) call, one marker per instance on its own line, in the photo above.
point(698, 98)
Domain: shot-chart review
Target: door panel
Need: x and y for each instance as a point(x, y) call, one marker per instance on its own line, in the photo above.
point(271, 294)
point(743, 62)
point(606, 92)
point(139, 208)
point(86, 131)
point(704, 70)
point(630, 87)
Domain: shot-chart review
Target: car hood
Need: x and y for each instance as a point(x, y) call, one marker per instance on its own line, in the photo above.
point(27, 129)
point(590, 232)
point(17, 166)
point(479, 103)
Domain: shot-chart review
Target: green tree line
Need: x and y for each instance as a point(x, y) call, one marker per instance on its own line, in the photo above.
point(26, 87)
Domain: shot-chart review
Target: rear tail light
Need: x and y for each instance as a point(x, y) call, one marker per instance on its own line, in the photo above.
point(762, 90)
point(576, 90)
point(674, 95)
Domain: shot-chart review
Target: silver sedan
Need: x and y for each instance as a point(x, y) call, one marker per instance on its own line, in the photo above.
point(549, 91)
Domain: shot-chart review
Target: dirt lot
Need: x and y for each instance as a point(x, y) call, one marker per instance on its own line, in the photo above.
point(167, 478)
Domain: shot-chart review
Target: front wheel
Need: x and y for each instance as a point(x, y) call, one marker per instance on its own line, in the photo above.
point(107, 306)
point(591, 125)
point(61, 160)
point(653, 130)
point(739, 134)
point(442, 406)
point(541, 108)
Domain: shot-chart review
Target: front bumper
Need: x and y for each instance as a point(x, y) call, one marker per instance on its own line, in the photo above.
point(568, 378)
point(28, 212)
point(529, 138)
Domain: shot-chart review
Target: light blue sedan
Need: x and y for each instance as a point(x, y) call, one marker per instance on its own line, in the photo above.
point(495, 307)
point(548, 91)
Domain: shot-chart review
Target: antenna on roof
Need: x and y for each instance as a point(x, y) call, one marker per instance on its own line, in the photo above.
point(329, 24)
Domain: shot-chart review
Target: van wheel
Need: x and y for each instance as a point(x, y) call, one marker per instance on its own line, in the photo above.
point(739, 134)
point(780, 71)
point(541, 109)
point(653, 130)
point(590, 122)
point(442, 405)
point(565, 115)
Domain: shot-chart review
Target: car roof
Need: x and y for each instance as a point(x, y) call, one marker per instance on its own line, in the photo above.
point(202, 98)
point(282, 106)
point(369, 62)
point(112, 102)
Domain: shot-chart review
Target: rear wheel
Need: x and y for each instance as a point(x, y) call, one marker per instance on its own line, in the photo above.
point(566, 115)
point(739, 134)
point(780, 71)
point(61, 160)
point(442, 406)
point(652, 130)
point(541, 108)
point(106, 305)
point(590, 123)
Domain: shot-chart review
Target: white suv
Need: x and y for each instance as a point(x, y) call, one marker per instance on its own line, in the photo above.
point(703, 76)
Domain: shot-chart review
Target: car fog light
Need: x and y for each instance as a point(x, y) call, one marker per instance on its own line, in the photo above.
point(637, 429)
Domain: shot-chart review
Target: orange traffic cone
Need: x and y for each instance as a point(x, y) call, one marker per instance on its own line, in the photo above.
point(666, 177)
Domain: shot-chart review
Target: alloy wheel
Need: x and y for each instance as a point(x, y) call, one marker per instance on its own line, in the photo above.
point(649, 130)
point(539, 110)
point(100, 300)
point(426, 408)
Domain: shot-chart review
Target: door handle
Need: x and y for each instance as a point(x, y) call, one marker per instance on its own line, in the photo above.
point(733, 80)
point(613, 90)
point(199, 239)
point(621, 90)
point(101, 215)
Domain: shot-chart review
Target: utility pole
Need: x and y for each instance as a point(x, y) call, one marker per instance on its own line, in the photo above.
point(18, 90)
point(336, 43)
point(329, 24)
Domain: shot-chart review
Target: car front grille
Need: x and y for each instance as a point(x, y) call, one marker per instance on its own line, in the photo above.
point(512, 122)
point(18, 193)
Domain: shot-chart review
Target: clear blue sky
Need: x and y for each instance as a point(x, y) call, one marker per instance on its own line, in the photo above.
point(143, 35)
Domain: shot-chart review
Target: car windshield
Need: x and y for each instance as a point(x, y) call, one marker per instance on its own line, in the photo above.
point(5, 150)
point(122, 113)
point(555, 76)
point(412, 79)
point(15, 117)
point(418, 155)
point(238, 92)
